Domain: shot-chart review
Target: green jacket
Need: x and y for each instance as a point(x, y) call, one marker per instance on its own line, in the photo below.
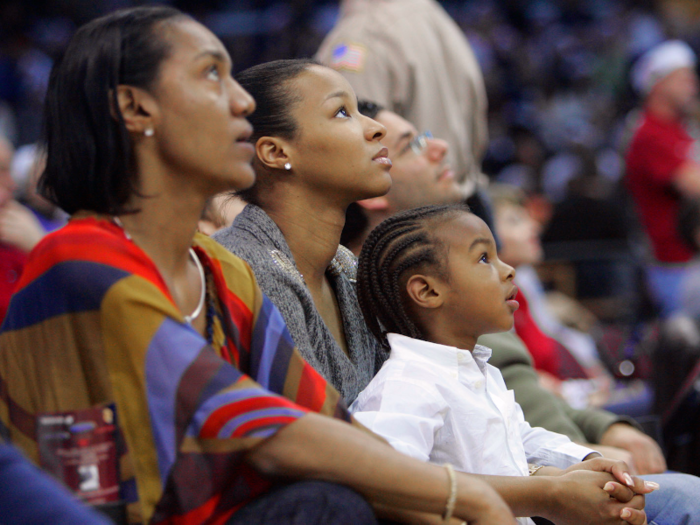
point(541, 407)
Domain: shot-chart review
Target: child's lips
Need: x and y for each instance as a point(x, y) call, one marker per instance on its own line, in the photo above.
point(510, 299)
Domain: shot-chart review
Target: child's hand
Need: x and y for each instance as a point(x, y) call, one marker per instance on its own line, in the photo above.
point(619, 470)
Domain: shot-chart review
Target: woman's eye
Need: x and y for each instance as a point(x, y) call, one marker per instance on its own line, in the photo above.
point(342, 112)
point(213, 73)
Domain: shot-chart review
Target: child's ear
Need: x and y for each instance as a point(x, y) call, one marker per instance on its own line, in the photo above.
point(425, 291)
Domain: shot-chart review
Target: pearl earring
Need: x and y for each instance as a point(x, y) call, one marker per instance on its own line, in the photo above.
point(288, 166)
point(148, 132)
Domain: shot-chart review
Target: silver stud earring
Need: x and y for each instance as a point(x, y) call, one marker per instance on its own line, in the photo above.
point(288, 166)
point(148, 132)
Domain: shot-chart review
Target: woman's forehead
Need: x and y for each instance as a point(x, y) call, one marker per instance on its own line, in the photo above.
point(189, 39)
point(317, 84)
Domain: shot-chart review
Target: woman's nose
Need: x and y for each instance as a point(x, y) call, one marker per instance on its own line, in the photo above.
point(374, 130)
point(242, 103)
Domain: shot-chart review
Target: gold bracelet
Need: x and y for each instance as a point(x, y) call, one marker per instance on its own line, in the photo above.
point(452, 499)
point(532, 468)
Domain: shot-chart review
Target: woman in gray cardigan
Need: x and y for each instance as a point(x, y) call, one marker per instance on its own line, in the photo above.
point(315, 155)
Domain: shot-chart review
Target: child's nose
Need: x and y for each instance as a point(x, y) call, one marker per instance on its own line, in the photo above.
point(508, 272)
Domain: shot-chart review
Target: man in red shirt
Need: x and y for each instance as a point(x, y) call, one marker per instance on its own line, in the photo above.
point(662, 162)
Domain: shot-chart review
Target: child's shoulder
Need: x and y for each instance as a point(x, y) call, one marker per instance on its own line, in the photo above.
point(399, 373)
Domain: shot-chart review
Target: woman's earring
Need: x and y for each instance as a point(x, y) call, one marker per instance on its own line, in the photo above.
point(288, 166)
point(148, 132)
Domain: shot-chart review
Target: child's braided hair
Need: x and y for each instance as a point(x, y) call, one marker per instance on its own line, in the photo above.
point(405, 241)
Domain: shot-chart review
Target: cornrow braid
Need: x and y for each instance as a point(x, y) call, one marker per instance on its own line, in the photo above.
point(403, 242)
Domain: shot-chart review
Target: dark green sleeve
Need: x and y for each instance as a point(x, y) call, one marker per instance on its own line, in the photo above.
point(541, 407)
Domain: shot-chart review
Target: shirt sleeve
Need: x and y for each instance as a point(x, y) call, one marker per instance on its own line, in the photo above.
point(381, 75)
point(549, 448)
point(402, 412)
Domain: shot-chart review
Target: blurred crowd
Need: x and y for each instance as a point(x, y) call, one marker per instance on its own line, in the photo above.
point(556, 71)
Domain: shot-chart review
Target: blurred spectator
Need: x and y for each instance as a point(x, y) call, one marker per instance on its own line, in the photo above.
point(588, 209)
point(220, 212)
point(27, 167)
point(12, 259)
point(24, 224)
point(662, 162)
point(689, 230)
point(566, 358)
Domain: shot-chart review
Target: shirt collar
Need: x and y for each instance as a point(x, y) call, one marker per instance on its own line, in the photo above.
point(437, 353)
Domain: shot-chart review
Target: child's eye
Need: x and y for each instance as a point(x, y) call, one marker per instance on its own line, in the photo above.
point(213, 73)
point(484, 258)
point(342, 112)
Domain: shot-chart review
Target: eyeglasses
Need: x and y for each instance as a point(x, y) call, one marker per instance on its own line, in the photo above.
point(418, 144)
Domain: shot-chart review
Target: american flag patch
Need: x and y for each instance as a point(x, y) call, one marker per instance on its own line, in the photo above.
point(348, 56)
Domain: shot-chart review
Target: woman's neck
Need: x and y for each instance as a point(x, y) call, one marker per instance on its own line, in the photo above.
point(165, 223)
point(311, 228)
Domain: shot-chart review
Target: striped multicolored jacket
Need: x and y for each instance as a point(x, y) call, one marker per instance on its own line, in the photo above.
point(93, 322)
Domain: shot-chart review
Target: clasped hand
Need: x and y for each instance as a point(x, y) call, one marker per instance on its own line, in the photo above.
point(607, 489)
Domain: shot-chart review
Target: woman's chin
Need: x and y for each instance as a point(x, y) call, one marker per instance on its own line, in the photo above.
point(384, 186)
point(243, 179)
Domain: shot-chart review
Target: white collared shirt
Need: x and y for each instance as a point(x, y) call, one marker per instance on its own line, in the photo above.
point(446, 405)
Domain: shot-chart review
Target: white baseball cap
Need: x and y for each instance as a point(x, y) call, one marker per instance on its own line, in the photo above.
point(659, 61)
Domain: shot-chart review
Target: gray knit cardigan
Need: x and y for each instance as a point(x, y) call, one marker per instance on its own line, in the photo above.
point(255, 238)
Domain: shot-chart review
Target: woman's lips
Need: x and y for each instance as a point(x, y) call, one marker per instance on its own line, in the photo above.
point(382, 157)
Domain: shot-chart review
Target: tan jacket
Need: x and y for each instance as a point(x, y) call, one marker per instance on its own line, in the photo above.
point(412, 58)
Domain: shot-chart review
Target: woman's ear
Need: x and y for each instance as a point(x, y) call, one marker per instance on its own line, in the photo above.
point(425, 291)
point(137, 108)
point(272, 152)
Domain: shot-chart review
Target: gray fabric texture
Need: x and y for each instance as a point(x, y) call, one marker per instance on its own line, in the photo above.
point(256, 239)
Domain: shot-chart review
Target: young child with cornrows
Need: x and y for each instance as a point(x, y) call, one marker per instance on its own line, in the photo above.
point(429, 284)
